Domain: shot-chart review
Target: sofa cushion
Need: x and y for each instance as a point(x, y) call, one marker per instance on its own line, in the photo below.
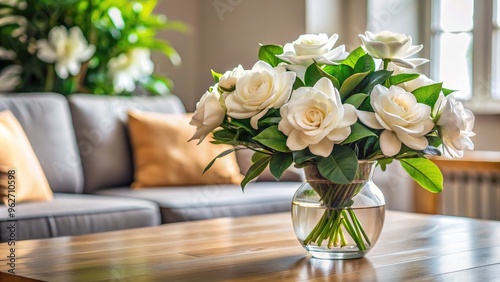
point(21, 176)
point(70, 214)
point(164, 157)
point(46, 120)
point(210, 201)
point(102, 136)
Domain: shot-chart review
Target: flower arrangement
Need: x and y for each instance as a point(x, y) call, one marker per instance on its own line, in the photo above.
point(99, 47)
point(310, 103)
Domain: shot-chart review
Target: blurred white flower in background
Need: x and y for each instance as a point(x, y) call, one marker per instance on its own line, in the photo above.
point(129, 67)
point(67, 49)
point(9, 78)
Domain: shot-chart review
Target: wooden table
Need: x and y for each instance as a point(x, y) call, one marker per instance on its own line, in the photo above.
point(263, 248)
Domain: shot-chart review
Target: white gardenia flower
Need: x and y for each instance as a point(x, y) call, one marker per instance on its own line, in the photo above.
point(403, 118)
point(9, 78)
point(209, 114)
point(228, 80)
point(259, 90)
point(455, 125)
point(129, 67)
point(68, 50)
point(316, 118)
point(394, 46)
point(309, 48)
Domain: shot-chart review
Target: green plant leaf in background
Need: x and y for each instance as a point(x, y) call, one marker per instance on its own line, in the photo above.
point(424, 172)
point(114, 27)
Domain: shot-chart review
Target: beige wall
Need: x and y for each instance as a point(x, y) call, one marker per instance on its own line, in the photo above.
point(224, 33)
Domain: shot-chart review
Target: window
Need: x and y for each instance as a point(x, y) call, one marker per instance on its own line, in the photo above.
point(496, 48)
point(451, 42)
point(465, 50)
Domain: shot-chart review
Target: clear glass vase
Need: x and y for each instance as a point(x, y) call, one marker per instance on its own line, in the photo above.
point(338, 221)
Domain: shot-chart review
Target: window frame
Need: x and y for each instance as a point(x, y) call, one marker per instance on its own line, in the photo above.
point(482, 99)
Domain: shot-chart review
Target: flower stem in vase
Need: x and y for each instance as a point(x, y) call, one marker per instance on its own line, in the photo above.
point(338, 217)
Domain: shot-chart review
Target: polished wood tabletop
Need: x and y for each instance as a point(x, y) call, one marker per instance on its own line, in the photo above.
point(263, 248)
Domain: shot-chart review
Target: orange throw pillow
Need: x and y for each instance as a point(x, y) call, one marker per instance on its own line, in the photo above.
point(164, 157)
point(21, 175)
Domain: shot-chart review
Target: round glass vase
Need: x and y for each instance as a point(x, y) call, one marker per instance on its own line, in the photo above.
point(338, 221)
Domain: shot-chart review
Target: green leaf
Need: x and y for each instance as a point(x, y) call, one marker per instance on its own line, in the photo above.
point(358, 132)
point(269, 121)
point(370, 146)
point(216, 76)
point(366, 105)
point(273, 138)
point(165, 47)
point(378, 77)
point(402, 77)
point(428, 94)
point(223, 154)
point(447, 91)
point(302, 156)
point(224, 136)
point(340, 72)
point(351, 83)
point(267, 53)
point(365, 64)
point(242, 123)
point(340, 167)
point(424, 172)
point(255, 170)
point(279, 163)
point(157, 85)
point(314, 73)
point(297, 84)
point(434, 141)
point(258, 155)
point(356, 100)
point(384, 162)
point(354, 56)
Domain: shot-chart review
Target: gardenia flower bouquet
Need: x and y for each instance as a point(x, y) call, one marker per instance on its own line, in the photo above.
point(98, 47)
point(311, 103)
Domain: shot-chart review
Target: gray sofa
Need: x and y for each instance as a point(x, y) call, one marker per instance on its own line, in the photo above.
point(83, 147)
